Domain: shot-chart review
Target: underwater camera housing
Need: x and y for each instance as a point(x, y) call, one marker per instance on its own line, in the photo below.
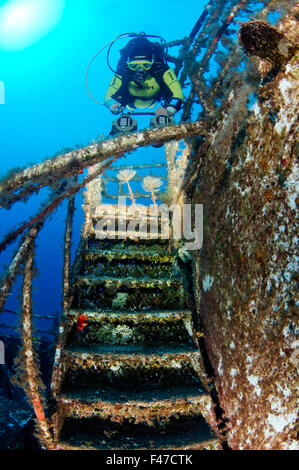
point(161, 120)
point(125, 124)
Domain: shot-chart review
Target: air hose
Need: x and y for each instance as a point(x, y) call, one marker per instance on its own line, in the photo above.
point(90, 64)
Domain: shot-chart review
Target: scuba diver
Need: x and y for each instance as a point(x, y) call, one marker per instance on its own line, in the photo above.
point(142, 79)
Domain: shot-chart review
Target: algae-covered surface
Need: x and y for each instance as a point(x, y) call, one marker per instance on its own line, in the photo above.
point(138, 437)
point(248, 283)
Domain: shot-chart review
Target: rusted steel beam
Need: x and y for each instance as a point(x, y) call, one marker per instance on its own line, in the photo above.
point(177, 42)
point(137, 195)
point(42, 317)
point(196, 77)
point(16, 327)
point(67, 252)
point(135, 178)
point(33, 381)
point(142, 166)
point(16, 263)
point(172, 59)
point(188, 41)
point(51, 206)
point(188, 106)
point(200, 20)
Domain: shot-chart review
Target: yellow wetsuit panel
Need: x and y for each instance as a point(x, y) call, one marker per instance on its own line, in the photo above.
point(114, 85)
point(145, 96)
point(149, 89)
point(142, 104)
point(172, 82)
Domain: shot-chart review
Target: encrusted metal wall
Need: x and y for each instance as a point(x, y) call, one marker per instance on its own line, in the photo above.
point(248, 182)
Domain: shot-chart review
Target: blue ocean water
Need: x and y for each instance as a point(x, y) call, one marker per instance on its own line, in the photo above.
point(47, 108)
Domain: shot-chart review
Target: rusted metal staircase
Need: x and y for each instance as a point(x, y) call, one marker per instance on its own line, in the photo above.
point(133, 377)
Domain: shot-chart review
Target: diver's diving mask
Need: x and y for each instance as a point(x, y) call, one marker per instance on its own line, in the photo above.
point(137, 64)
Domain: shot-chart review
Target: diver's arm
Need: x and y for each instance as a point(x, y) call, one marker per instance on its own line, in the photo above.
point(175, 102)
point(114, 106)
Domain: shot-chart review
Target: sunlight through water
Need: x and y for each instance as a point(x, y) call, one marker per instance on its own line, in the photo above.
point(24, 22)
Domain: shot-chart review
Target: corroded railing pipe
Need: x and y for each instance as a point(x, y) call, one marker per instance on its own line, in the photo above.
point(51, 206)
point(207, 100)
point(67, 252)
point(75, 162)
point(16, 327)
point(33, 381)
point(16, 263)
point(42, 317)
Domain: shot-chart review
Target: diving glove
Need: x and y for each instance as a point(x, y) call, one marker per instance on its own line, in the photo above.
point(116, 108)
point(171, 110)
point(173, 106)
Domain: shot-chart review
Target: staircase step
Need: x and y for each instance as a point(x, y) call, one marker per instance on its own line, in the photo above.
point(147, 406)
point(116, 215)
point(145, 394)
point(127, 253)
point(134, 244)
point(133, 329)
point(121, 358)
point(212, 444)
point(133, 377)
point(124, 351)
point(133, 316)
point(135, 294)
point(123, 210)
point(136, 235)
point(130, 281)
point(130, 366)
point(93, 433)
point(132, 226)
point(110, 263)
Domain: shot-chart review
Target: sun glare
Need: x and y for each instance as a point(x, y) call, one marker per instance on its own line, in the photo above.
point(23, 22)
